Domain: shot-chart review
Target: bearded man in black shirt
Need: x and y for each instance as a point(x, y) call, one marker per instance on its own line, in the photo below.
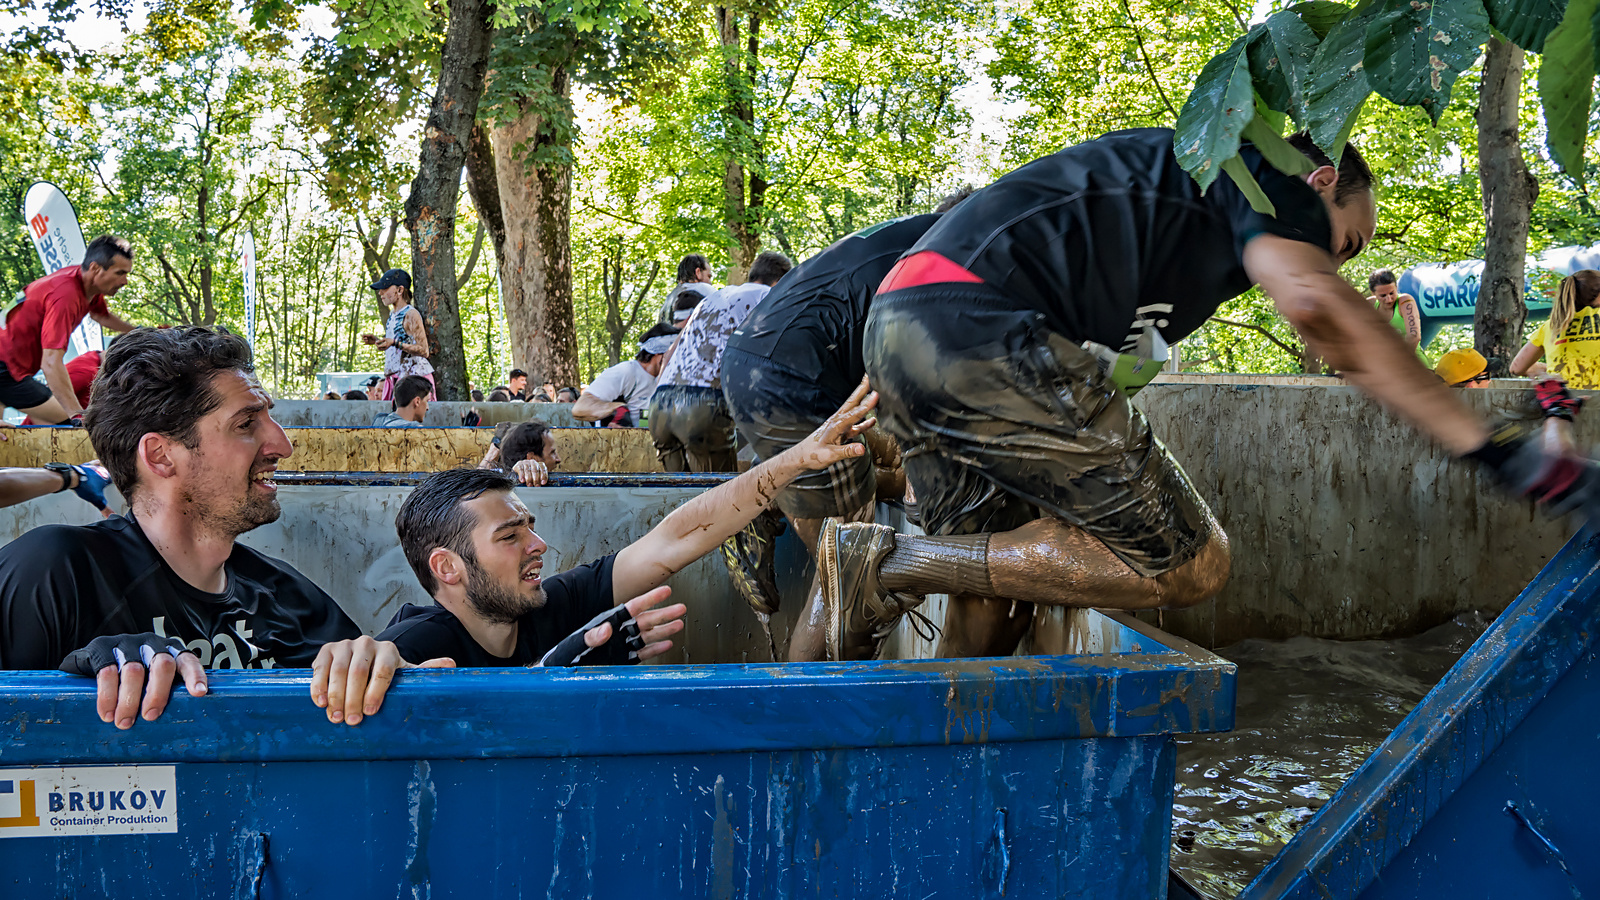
point(186, 432)
point(1006, 344)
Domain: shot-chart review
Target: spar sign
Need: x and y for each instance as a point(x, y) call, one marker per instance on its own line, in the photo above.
point(72, 801)
point(53, 225)
point(247, 262)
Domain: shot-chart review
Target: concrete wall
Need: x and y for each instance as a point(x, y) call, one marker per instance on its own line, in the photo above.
point(442, 414)
point(1344, 521)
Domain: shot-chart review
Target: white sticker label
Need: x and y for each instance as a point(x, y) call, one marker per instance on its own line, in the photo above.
point(61, 802)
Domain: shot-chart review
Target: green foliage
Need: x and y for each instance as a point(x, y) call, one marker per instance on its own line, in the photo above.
point(1211, 122)
point(1415, 51)
point(1566, 83)
point(1526, 23)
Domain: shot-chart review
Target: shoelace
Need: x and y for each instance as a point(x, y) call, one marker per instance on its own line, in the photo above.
point(920, 623)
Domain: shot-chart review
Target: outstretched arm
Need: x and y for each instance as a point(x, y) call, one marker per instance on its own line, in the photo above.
point(1345, 330)
point(699, 526)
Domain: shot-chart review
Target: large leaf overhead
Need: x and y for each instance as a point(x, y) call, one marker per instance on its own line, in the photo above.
point(1526, 23)
point(1320, 15)
point(1280, 61)
point(1417, 48)
point(1566, 84)
point(1338, 84)
point(1215, 114)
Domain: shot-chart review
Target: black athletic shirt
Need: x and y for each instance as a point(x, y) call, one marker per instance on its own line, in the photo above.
point(62, 586)
point(1107, 235)
point(811, 320)
point(572, 598)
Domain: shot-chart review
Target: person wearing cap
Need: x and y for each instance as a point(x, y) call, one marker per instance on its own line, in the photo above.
point(404, 342)
point(618, 396)
point(1463, 368)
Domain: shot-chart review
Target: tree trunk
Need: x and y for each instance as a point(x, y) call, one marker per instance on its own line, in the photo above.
point(1508, 195)
point(744, 160)
point(536, 268)
point(483, 185)
point(431, 208)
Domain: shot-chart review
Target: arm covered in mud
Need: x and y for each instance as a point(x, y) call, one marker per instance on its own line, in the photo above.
point(699, 526)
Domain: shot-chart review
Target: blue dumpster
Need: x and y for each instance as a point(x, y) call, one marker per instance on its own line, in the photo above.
point(1018, 777)
point(1488, 787)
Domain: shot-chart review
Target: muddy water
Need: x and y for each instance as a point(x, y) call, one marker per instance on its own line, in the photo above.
point(1310, 712)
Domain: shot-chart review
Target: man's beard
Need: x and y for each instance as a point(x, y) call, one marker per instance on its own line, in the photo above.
point(493, 601)
point(251, 513)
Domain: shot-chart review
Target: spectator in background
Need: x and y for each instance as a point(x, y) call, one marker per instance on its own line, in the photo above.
point(1575, 318)
point(1399, 310)
point(355, 395)
point(1463, 368)
point(499, 395)
point(331, 395)
point(694, 274)
point(477, 396)
point(404, 342)
point(81, 370)
point(410, 404)
point(517, 384)
point(567, 395)
point(617, 397)
point(37, 330)
point(689, 420)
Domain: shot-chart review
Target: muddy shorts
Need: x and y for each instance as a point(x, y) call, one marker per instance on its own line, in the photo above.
point(690, 427)
point(1002, 421)
point(774, 408)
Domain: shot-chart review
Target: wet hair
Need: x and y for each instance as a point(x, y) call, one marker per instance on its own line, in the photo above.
point(954, 198)
point(499, 395)
point(770, 266)
point(432, 516)
point(655, 331)
point(1380, 277)
point(1354, 176)
point(409, 389)
point(355, 395)
point(158, 380)
point(689, 265)
point(104, 250)
point(523, 441)
point(516, 373)
point(1579, 289)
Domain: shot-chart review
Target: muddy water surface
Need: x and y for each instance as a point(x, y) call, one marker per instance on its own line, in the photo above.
point(1310, 712)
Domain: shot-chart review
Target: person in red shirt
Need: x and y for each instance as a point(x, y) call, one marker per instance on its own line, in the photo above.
point(36, 332)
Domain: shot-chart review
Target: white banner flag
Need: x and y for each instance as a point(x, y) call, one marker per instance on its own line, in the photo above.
point(53, 225)
point(247, 262)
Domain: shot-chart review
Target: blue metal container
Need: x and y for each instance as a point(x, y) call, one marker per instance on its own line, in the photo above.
point(1488, 787)
point(1020, 777)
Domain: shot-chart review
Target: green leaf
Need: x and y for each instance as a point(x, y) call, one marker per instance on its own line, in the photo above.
point(1280, 61)
point(1277, 151)
point(1215, 114)
point(1320, 15)
point(1566, 84)
point(1526, 23)
point(1240, 173)
point(1338, 84)
point(1416, 49)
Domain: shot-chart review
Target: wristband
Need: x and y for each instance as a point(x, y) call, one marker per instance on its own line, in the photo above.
point(65, 471)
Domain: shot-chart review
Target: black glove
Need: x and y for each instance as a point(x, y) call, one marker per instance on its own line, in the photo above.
point(620, 417)
point(572, 649)
point(1559, 483)
point(116, 649)
point(471, 419)
point(1554, 398)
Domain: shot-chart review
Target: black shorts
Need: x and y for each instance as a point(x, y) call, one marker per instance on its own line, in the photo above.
point(24, 394)
point(774, 408)
point(1002, 420)
point(691, 429)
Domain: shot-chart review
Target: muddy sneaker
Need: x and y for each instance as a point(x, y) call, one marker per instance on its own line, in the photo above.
point(748, 556)
point(857, 614)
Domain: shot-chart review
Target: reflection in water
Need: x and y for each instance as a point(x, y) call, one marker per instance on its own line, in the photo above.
point(1310, 712)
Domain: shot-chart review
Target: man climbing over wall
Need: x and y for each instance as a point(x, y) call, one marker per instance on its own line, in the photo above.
point(1005, 345)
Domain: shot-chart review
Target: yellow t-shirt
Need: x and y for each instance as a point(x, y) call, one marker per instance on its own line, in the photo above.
point(1576, 353)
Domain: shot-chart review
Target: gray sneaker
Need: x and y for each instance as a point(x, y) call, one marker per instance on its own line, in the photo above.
point(857, 613)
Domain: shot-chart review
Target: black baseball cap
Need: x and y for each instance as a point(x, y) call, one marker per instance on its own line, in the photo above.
point(392, 278)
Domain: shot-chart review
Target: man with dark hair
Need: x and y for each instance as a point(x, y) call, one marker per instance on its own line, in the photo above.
point(694, 284)
point(410, 404)
point(1399, 310)
point(37, 331)
point(618, 396)
point(471, 542)
point(689, 420)
point(567, 395)
point(517, 384)
point(526, 451)
point(1006, 344)
point(786, 368)
point(355, 395)
point(186, 432)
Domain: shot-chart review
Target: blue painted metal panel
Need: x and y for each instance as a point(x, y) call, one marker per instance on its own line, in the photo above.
point(1512, 722)
point(1042, 776)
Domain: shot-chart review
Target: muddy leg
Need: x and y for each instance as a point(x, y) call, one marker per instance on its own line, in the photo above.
point(982, 626)
point(807, 640)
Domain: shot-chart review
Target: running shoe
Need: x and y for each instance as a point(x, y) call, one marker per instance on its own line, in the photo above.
point(748, 556)
point(857, 613)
